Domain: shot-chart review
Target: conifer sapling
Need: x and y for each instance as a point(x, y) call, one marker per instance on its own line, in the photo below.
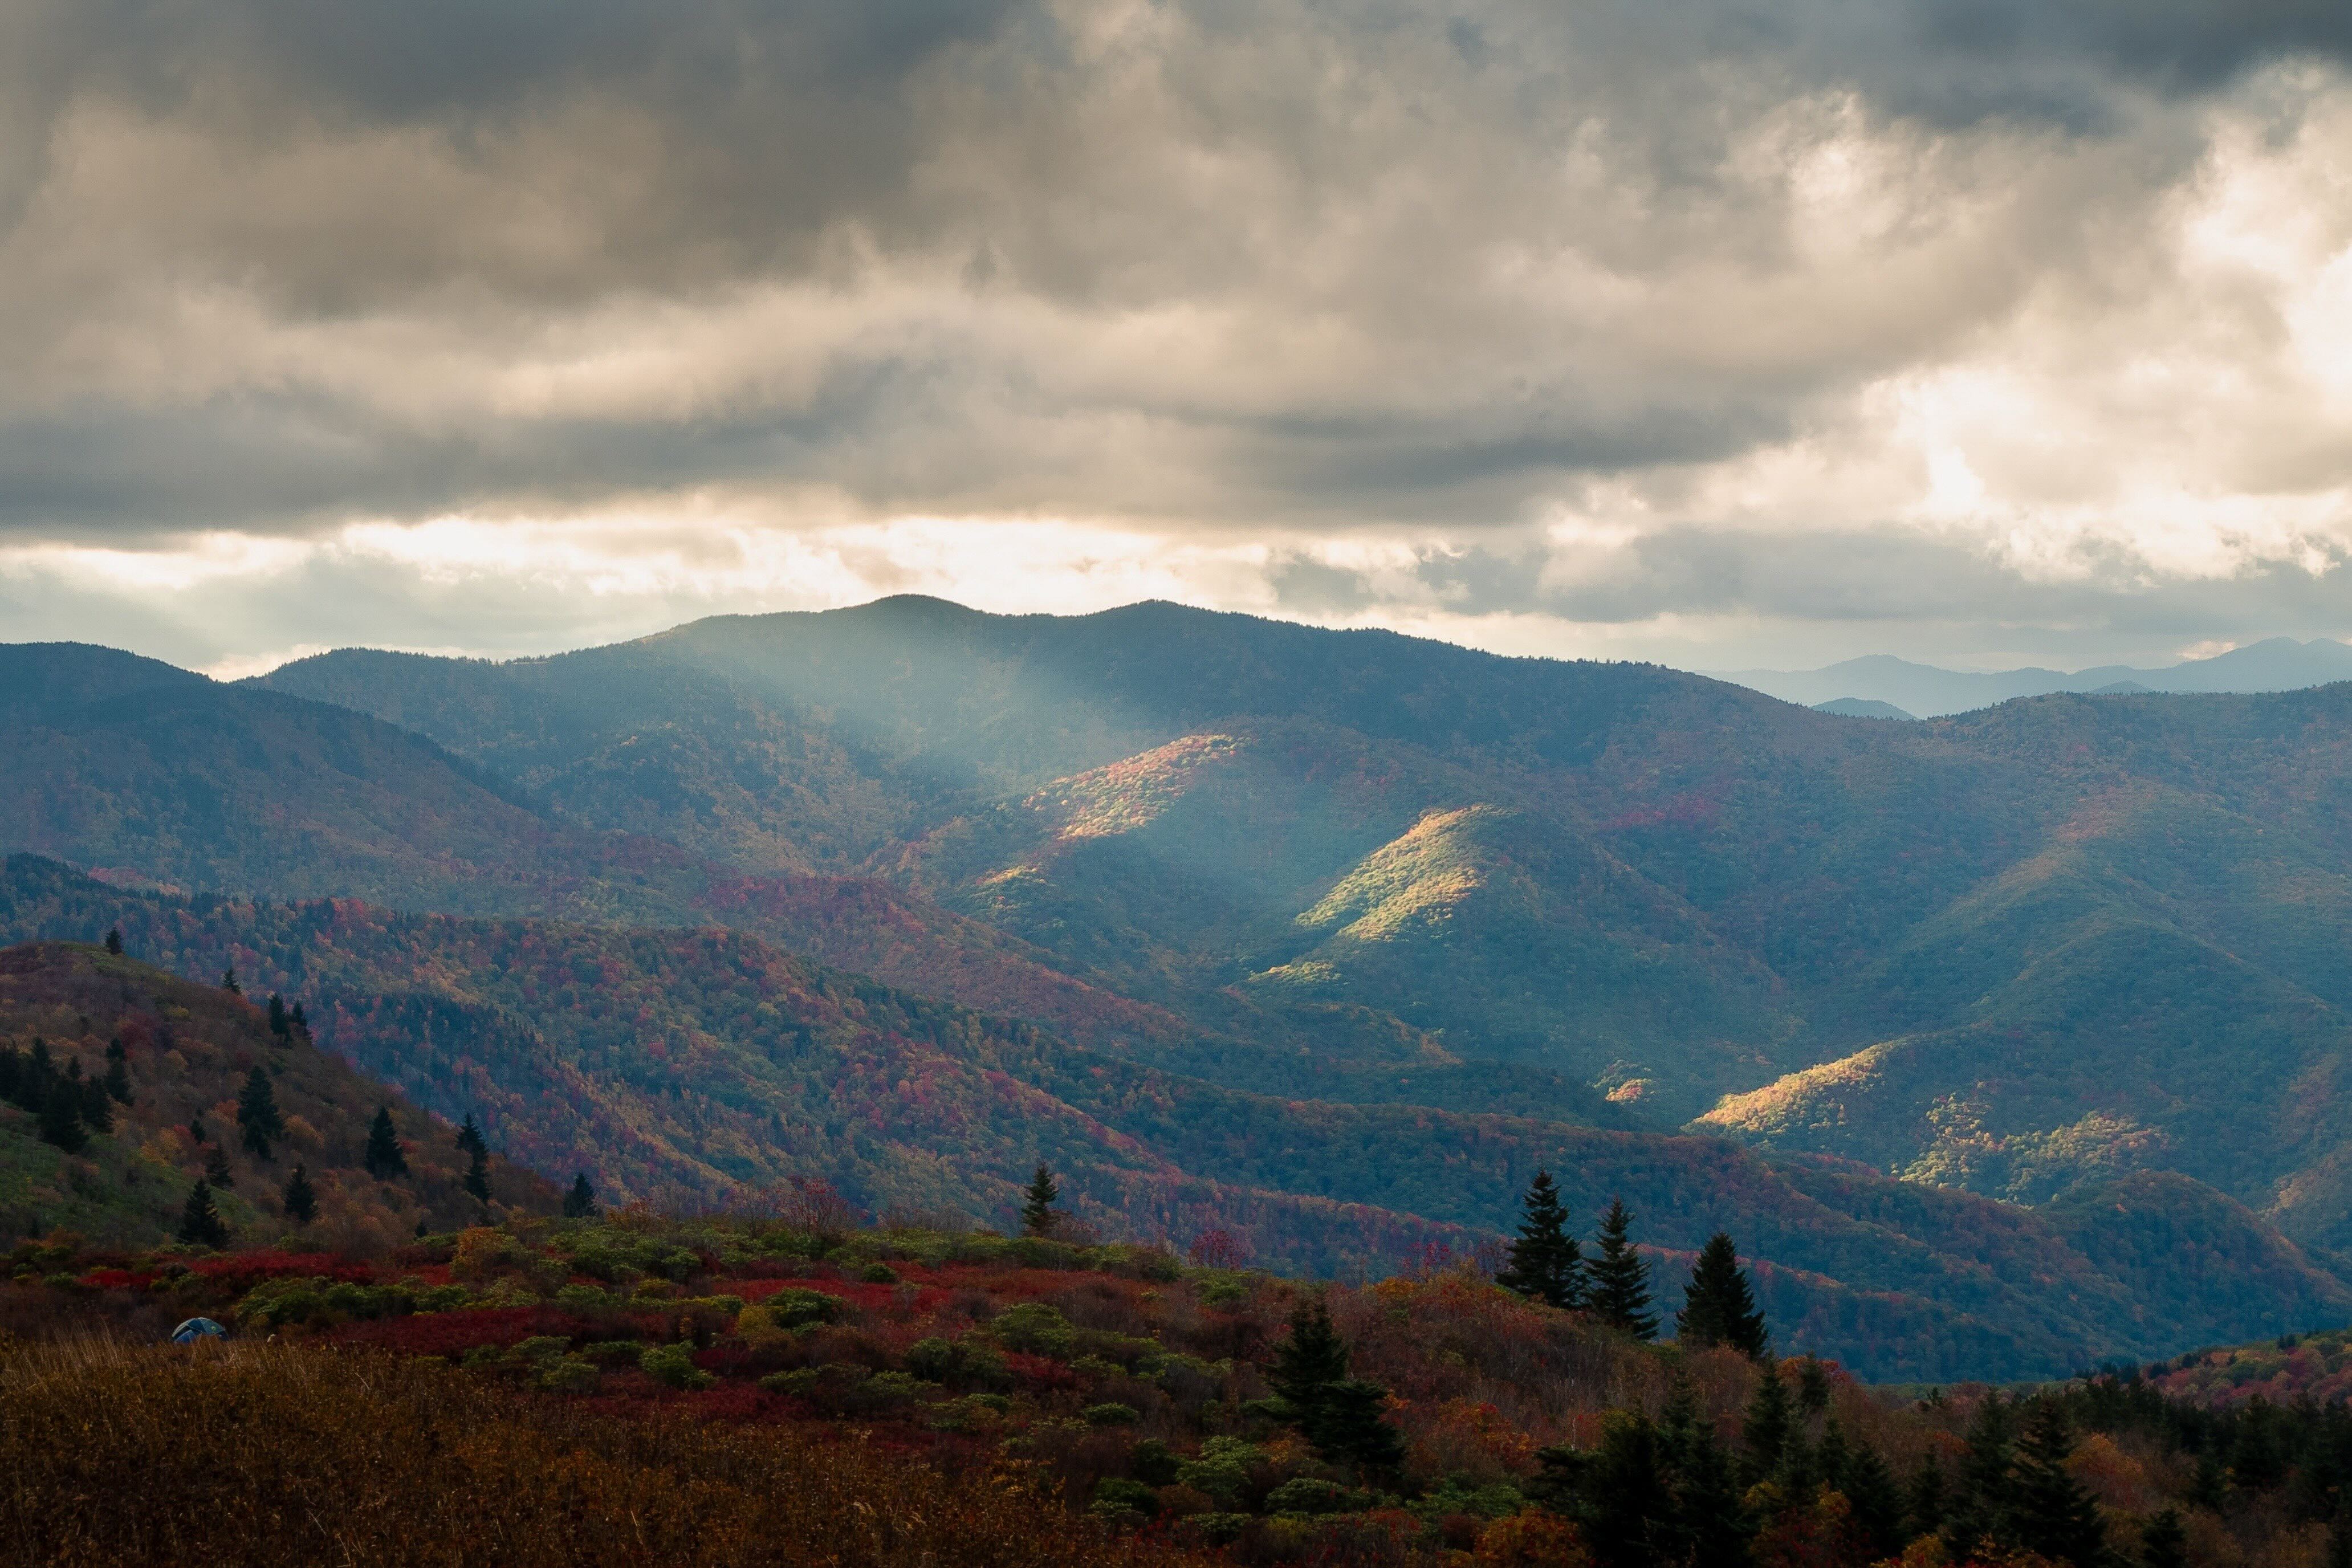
point(301, 1200)
point(1546, 1264)
point(1719, 1305)
point(1619, 1291)
point(385, 1159)
point(1037, 1211)
point(200, 1221)
point(258, 1115)
point(114, 940)
point(216, 1169)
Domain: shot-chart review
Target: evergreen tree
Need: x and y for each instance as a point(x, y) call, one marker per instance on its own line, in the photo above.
point(1346, 1425)
point(61, 1115)
point(1980, 1512)
point(478, 1171)
point(302, 1200)
point(1719, 1305)
point(1813, 1385)
point(2164, 1544)
point(1923, 1509)
point(1711, 1515)
point(1312, 1359)
point(228, 981)
point(196, 1133)
point(114, 940)
point(1619, 1293)
point(301, 1024)
point(2051, 1511)
point(216, 1169)
point(280, 1025)
point(200, 1222)
point(385, 1159)
point(1767, 1424)
point(118, 1072)
point(97, 1105)
point(580, 1203)
point(257, 1114)
point(1877, 1501)
point(1037, 1212)
point(1546, 1264)
point(1628, 1511)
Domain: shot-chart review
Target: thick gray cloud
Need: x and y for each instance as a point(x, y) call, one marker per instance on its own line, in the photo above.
point(1845, 313)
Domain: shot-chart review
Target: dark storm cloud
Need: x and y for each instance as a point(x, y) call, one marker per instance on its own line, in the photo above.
point(1320, 270)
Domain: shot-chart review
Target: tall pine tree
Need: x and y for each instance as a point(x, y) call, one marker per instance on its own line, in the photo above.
point(257, 1117)
point(118, 1072)
point(216, 1169)
point(385, 1159)
point(580, 1203)
point(1619, 1293)
point(1765, 1425)
point(1312, 1359)
point(1037, 1211)
point(1719, 1306)
point(62, 1121)
point(301, 1198)
point(2164, 1544)
point(114, 940)
point(2051, 1511)
point(1546, 1264)
point(200, 1221)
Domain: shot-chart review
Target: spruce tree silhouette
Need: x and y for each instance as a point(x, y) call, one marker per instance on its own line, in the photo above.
point(200, 1221)
point(1037, 1211)
point(1719, 1305)
point(1618, 1294)
point(385, 1159)
point(1546, 1264)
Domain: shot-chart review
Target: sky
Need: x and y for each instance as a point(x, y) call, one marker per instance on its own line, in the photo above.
point(1728, 335)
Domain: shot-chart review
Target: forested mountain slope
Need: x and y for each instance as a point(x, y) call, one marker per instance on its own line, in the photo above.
point(691, 1068)
point(1672, 889)
point(180, 1056)
point(2027, 952)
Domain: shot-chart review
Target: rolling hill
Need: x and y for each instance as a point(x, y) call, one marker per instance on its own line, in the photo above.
point(694, 1068)
point(2028, 952)
point(187, 1050)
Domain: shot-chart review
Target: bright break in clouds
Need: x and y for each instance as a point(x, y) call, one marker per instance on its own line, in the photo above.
point(1722, 333)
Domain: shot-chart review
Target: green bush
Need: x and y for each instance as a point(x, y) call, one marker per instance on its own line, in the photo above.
point(613, 1352)
point(1304, 1494)
point(796, 1307)
point(878, 1274)
point(1035, 1328)
point(1115, 1495)
point(568, 1375)
point(672, 1366)
point(1111, 1413)
point(1153, 1463)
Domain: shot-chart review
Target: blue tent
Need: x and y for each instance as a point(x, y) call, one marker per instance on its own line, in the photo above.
point(195, 1329)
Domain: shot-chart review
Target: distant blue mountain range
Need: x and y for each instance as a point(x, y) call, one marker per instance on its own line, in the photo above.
point(2276, 664)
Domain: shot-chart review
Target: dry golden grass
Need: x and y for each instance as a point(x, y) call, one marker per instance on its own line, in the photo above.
point(268, 1454)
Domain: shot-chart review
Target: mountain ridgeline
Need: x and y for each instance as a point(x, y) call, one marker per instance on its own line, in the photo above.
point(1263, 917)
